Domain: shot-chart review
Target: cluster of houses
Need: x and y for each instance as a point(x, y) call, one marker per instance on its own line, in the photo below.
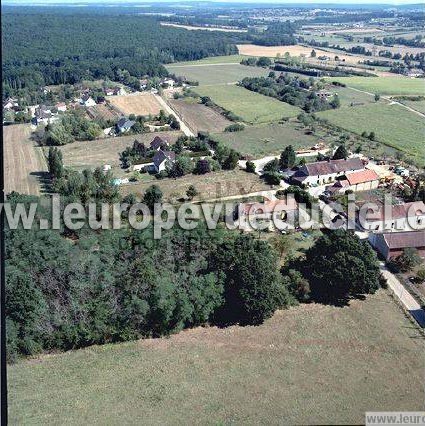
point(391, 228)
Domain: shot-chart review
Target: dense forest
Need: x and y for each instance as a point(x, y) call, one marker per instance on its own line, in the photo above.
point(44, 49)
point(65, 48)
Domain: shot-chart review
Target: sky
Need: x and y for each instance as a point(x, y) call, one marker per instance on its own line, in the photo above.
point(117, 2)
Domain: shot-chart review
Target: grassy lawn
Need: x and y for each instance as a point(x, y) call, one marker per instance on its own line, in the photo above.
point(251, 106)
point(307, 365)
point(348, 96)
point(230, 59)
point(219, 73)
point(267, 139)
point(392, 124)
point(384, 85)
point(416, 105)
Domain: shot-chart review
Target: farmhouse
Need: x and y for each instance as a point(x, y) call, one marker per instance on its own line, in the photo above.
point(168, 82)
point(10, 103)
point(324, 95)
point(87, 101)
point(124, 125)
point(323, 172)
point(162, 159)
point(399, 217)
point(362, 180)
point(61, 106)
point(159, 143)
point(392, 244)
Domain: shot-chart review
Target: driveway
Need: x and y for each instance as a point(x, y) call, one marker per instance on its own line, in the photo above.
point(404, 296)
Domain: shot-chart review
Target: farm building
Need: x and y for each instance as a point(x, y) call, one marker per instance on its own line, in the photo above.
point(392, 244)
point(323, 172)
point(162, 159)
point(362, 180)
point(399, 217)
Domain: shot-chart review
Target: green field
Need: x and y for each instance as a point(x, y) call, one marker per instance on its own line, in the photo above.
point(392, 124)
point(220, 73)
point(416, 105)
point(267, 139)
point(230, 59)
point(349, 96)
point(311, 364)
point(384, 85)
point(251, 106)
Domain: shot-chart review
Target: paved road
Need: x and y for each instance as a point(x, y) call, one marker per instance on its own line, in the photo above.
point(183, 127)
point(404, 296)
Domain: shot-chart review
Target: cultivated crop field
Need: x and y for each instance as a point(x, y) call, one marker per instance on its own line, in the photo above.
point(193, 28)
point(198, 116)
point(293, 50)
point(25, 167)
point(140, 104)
point(217, 73)
point(252, 107)
point(103, 112)
point(210, 186)
point(392, 124)
point(92, 154)
point(268, 139)
point(343, 361)
point(384, 85)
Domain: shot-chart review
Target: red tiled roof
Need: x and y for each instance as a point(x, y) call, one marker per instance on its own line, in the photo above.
point(399, 240)
point(361, 176)
point(399, 211)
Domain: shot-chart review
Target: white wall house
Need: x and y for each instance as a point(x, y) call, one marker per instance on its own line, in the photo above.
point(323, 172)
point(399, 217)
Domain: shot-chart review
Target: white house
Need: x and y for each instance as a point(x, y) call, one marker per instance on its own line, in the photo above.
point(323, 172)
point(124, 125)
point(87, 101)
point(399, 217)
point(163, 158)
point(61, 106)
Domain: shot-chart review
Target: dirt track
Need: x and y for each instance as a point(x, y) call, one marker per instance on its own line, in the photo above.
point(24, 163)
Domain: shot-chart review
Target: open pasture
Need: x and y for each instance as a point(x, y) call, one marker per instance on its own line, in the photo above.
point(92, 154)
point(199, 117)
point(137, 104)
point(217, 73)
point(25, 167)
point(343, 361)
point(250, 106)
point(393, 125)
point(396, 85)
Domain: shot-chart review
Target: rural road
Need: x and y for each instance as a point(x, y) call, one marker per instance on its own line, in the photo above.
point(391, 101)
point(183, 127)
point(404, 296)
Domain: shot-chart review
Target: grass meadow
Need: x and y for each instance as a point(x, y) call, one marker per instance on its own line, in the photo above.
point(252, 107)
point(393, 125)
point(267, 139)
point(384, 85)
point(217, 73)
point(311, 364)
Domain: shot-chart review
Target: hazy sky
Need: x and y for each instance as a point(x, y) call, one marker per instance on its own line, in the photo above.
point(117, 2)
